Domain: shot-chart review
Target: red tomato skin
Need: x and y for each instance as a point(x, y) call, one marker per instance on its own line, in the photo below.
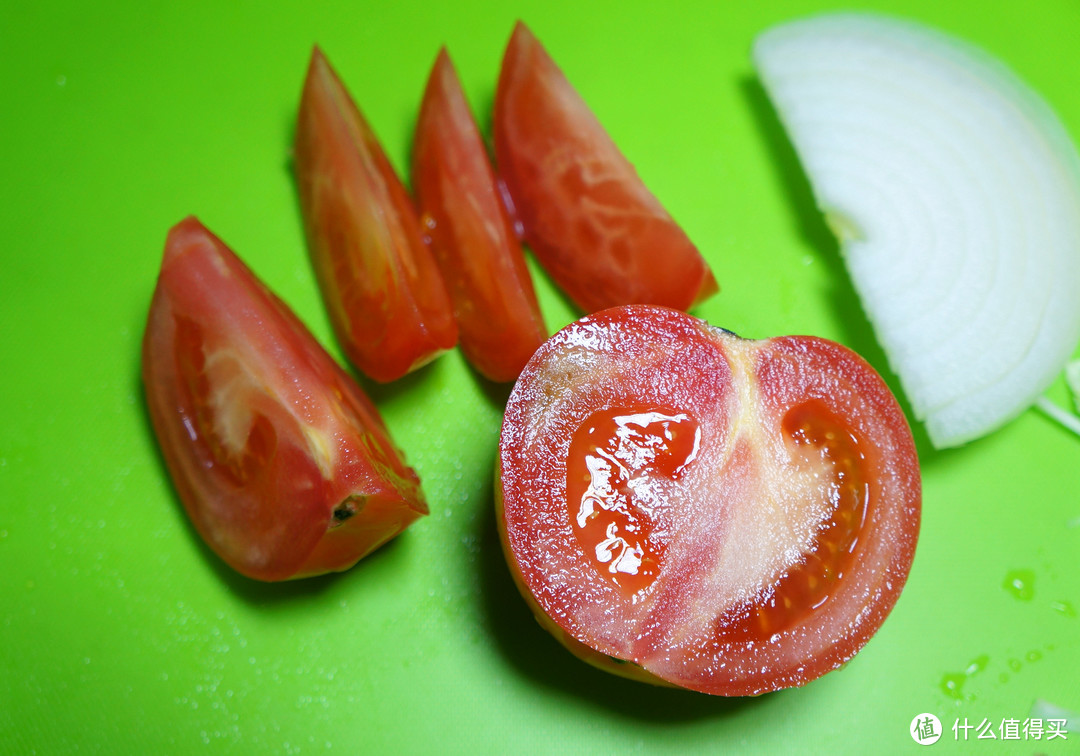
point(386, 298)
point(739, 390)
point(471, 233)
point(592, 223)
point(312, 442)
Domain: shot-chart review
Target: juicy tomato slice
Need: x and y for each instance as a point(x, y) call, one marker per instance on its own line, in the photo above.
point(283, 464)
point(471, 233)
point(386, 299)
point(586, 214)
point(726, 515)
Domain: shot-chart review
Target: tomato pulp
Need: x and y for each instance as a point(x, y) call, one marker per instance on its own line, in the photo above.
point(471, 234)
point(382, 288)
point(592, 223)
point(283, 464)
point(727, 515)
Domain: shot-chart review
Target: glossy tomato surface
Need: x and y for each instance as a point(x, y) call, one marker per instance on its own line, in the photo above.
point(383, 290)
point(595, 227)
point(727, 515)
point(283, 465)
point(471, 234)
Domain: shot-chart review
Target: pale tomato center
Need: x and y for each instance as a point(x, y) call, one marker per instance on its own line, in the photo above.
point(615, 458)
point(239, 462)
point(822, 442)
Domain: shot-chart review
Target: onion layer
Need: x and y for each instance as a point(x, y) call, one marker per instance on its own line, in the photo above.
point(955, 193)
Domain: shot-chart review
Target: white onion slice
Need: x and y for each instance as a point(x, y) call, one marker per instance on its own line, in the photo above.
point(955, 192)
point(1072, 379)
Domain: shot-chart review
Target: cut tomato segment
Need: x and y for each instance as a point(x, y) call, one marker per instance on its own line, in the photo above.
point(386, 299)
point(726, 515)
point(471, 234)
point(283, 464)
point(592, 223)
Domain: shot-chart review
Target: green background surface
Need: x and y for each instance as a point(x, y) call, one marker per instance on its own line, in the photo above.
point(121, 633)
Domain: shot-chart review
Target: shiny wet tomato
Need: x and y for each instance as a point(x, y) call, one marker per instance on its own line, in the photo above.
point(383, 290)
point(471, 234)
point(586, 214)
point(283, 465)
point(687, 507)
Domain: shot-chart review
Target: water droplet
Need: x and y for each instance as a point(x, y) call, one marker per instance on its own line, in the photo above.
point(952, 683)
point(1015, 665)
point(1063, 607)
point(1003, 677)
point(978, 664)
point(1021, 584)
point(1033, 656)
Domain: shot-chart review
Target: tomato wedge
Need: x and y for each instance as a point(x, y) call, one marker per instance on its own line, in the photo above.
point(383, 290)
point(471, 234)
point(587, 216)
point(283, 464)
point(687, 507)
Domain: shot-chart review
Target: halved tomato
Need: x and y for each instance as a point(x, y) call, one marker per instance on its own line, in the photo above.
point(684, 506)
point(283, 464)
point(471, 234)
point(385, 296)
point(592, 223)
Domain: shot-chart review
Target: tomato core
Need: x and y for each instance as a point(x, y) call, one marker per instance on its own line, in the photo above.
point(615, 460)
point(239, 465)
point(821, 440)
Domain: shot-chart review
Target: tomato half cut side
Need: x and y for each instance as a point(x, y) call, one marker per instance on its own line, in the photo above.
point(592, 223)
point(471, 234)
point(382, 288)
point(685, 506)
point(282, 463)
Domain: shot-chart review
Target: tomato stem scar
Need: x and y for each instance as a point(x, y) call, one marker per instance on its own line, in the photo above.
point(346, 509)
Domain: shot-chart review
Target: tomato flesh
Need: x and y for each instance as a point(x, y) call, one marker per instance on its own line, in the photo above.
point(471, 234)
point(592, 223)
point(806, 585)
point(282, 463)
point(240, 462)
point(721, 514)
point(613, 457)
point(386, 298)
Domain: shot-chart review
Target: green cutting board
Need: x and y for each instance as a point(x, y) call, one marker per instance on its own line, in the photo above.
point(121, 633)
